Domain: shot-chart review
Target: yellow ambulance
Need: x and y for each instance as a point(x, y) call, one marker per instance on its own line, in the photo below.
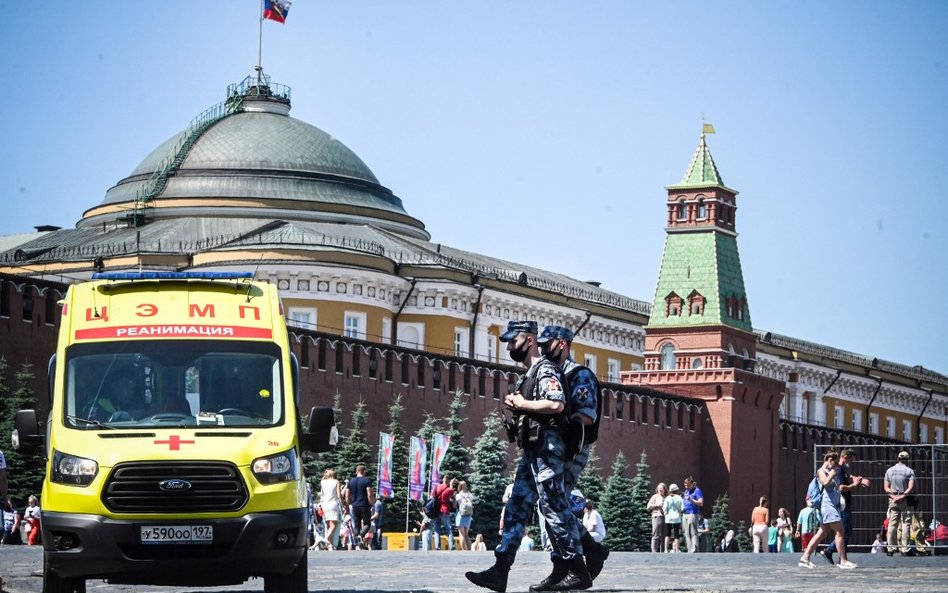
point(174, 439)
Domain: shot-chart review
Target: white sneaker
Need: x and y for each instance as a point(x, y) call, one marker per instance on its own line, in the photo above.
point(805, 563)
point(847, 564)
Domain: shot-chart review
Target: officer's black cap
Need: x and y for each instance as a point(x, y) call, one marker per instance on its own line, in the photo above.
point(516, 327)
point(555, 332)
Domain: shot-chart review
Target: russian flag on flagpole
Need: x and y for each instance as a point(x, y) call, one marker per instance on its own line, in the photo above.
point(276, 10)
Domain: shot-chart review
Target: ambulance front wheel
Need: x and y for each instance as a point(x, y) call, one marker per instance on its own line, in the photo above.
point(295, 582)
point(53, 583)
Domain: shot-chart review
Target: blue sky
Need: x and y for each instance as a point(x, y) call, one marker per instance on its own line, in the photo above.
point(565, 116)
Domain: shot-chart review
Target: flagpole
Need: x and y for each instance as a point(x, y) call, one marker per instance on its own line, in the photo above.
point(259, 67)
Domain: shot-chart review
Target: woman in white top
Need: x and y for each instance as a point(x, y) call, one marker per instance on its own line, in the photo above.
point(465, 505)
point(658, 517)
point(330, 495)
point(592, 521)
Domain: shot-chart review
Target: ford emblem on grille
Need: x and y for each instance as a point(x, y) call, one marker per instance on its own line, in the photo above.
point(174, 485)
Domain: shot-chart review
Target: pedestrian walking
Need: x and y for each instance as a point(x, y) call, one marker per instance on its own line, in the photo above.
point(828, 475)
point(538, 404)
point(847, 483)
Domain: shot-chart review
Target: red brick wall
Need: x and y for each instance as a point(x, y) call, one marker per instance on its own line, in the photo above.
point(29, 338)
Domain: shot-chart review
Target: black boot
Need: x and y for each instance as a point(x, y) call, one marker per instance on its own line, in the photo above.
point(560, 570)
point(595, 554)
point(577, 579)
point(495, 577)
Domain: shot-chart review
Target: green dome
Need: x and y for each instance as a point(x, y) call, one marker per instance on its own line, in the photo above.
point(279, 166)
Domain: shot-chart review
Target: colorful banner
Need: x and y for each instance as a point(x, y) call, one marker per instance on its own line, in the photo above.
point(385, 465)
point(418, 468)
point(440, 443)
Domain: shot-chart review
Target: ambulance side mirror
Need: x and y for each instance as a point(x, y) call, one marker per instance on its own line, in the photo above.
point(322, 434)
point(26, 431)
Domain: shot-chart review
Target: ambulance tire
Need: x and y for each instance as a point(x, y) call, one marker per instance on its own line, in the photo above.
point(53, 583)
point(295, 582)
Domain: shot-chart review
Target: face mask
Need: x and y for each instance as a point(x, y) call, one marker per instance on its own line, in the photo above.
point(552, 353)
point(520, 354)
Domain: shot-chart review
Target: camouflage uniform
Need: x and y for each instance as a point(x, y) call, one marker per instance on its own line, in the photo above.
point(583, 394)
point(583, 400)
point(540, 478)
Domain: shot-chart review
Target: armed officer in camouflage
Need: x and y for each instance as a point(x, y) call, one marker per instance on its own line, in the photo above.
point(538, 405)
point(584, 403)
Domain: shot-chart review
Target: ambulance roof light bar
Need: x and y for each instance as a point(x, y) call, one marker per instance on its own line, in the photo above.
point(171, 275)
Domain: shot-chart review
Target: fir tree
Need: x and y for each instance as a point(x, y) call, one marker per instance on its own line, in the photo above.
point(744, 543)
point(487, 482)
point(642, 518)
point(590, 480)
point(355, 448)
point(25, 469)
point(456, 459)
point(720, 518)
point(616, 507)
point(394, 518)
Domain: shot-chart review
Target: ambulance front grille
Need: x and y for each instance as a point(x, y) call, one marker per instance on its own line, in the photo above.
point(174, 487)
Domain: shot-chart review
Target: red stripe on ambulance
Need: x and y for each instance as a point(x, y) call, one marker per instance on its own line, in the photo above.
point(173, 331)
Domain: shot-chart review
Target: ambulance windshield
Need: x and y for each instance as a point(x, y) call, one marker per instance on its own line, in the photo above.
point(171, 383)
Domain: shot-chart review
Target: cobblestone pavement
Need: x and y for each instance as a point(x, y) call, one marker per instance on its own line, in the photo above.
point(443, 572)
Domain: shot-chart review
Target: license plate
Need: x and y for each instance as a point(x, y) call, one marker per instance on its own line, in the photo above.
point(177, 534)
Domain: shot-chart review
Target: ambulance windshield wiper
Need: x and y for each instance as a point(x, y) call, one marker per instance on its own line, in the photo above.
point(82, 420)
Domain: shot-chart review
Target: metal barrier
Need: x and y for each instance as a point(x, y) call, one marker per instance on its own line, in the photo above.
point(869, 505)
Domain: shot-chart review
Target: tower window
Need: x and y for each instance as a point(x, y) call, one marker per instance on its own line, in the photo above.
point(682, 210)
point(673, 304)
point(668, 357)
point(696, 303)
point(697, 363)
point(702, 210)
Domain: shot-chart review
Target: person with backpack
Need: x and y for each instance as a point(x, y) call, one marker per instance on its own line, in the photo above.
point(847, 483)
point(829, 498)
point(584, 407)
point(539, 409)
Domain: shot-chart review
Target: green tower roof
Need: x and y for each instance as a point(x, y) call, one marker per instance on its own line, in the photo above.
point(701, 170)
point(706, 263)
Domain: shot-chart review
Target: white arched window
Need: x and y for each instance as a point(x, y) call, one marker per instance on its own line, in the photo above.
point(668, 357)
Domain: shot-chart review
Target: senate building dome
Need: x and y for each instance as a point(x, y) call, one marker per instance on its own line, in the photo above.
point(249, 158)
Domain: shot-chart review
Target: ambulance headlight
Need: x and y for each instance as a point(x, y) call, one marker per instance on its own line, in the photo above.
point(73, 470)
point(283, 467)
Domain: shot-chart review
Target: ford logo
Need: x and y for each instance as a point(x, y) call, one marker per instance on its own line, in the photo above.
point(174, 485)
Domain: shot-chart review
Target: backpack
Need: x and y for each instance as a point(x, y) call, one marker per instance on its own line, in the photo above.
point(433, 505)
point(592, 431)
point(465, 505)
point(815, 492)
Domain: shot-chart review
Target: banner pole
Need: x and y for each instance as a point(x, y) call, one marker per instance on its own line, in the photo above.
point(408, 489)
